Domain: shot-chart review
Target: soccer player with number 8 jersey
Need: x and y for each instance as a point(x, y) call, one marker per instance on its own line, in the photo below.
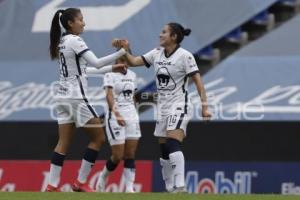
point(72, 105)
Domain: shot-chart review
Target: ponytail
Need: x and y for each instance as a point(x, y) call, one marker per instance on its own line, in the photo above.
point(187, 32)
point(177, 29)
point(55, 34)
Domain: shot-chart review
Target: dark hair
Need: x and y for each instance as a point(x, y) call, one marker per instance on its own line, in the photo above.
point(55, 31)
point(177, 29)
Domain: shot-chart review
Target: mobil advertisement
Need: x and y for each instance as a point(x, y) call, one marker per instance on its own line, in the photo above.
point(201, 177)
point(236, 177)
point(33, 176)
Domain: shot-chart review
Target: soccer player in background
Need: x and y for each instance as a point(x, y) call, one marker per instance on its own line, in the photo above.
point(72, 106)
point(172, 65)
point(122, 125)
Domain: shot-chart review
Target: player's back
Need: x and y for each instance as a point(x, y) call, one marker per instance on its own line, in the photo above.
point(71, 48)
point(72, 78)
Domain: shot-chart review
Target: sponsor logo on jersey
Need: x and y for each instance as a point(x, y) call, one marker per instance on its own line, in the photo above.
point(163, 63)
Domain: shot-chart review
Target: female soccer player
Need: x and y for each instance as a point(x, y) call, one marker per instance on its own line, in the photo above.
point(72, 106)
point(173, 65)
point(122, 125)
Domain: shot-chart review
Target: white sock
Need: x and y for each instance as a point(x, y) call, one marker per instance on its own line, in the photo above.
point(105, 172)
point(129, 174)
point(84, 170)
point(166, 174)
point(54, 175)
point(177, 165)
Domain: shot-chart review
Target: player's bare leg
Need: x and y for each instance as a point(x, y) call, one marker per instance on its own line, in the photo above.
point(129, 164)
point(97, 138)
point(110, 166)
point(66, 133)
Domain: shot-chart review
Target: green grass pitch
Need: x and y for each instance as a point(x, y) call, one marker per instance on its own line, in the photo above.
point(138, 196)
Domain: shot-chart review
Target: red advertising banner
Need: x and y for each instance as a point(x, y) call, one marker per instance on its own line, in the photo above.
point(33, 176)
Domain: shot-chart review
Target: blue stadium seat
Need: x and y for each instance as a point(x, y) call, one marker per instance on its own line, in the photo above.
point(261, 18)
point(289, 2)
point(208, 53)
point(264, 18)
point(237, 36)
point(294, 4)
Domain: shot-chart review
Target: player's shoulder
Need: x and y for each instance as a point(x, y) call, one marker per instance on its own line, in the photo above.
point(131, 73)
point(185, 53)
point(74, 38)
point(109, 75)
point(158, 49)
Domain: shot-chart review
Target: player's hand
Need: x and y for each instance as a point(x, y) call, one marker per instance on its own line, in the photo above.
point(120, 43)
point(206, 115)
point(120, 119)
point(122, 68)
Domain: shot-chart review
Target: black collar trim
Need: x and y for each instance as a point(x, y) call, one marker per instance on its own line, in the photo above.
point(177, 47)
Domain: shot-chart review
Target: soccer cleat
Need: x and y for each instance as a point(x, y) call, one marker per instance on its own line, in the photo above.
point(129, 190)
point(51, 188)
point(81, 187)
point(100, 186)
point(179, 190)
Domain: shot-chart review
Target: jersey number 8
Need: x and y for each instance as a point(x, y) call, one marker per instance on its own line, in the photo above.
point(64, 68)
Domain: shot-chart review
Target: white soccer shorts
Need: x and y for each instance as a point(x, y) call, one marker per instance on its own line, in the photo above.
point(177, 119)
point(76, 111)
point(117, 134)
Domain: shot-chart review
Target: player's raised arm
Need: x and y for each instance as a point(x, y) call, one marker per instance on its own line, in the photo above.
point(122, 68)
point(92, 59)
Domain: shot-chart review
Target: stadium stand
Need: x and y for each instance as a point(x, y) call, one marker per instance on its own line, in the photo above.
point(255, 67)
point(32, 51)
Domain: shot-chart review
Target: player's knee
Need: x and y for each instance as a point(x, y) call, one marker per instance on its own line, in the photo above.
point(173, 145)
point(62, 146)
point(129, 155)
point(98, 142)
point(117, 157)
point(111, 165)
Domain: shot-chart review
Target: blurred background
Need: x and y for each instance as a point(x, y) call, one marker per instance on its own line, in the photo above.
point(248, 53)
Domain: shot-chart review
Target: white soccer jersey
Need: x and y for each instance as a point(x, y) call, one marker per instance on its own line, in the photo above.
point(72, 81)
point(171, 77)
point(123, 86)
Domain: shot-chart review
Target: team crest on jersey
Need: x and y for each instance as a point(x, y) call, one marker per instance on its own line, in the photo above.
point(165, 80)
point(127, 91)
